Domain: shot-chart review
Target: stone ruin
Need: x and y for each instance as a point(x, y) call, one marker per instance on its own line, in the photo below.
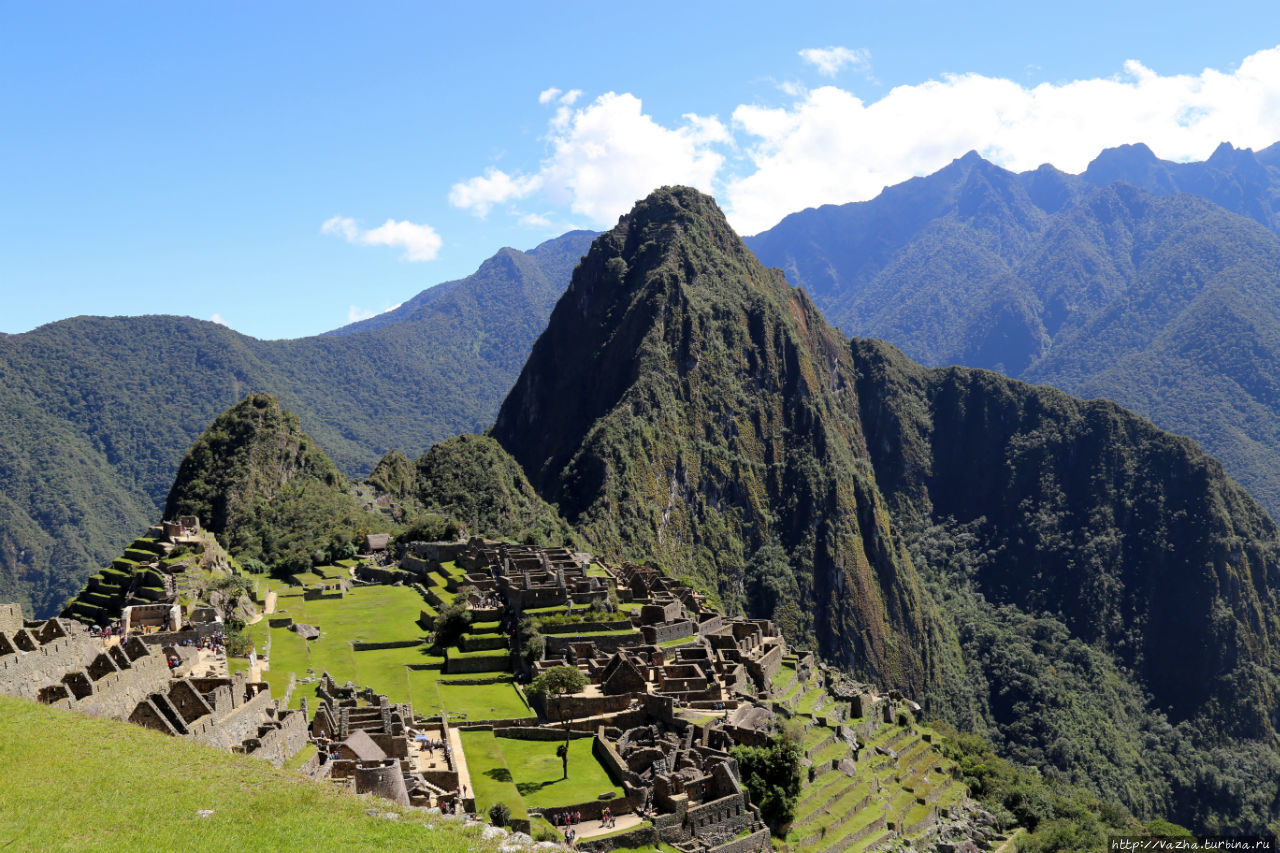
point(59, 662)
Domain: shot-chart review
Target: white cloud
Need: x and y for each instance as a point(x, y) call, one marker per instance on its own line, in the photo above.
point(828, 146)
point(217, 318)
point(829, 60)
point(419, 242)
point(481, 193)
point(355, 313)
point(831, 147)
point(546, 96)
point(604, 157)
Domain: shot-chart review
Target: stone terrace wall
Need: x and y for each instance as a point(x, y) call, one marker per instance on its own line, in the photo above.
point(117, 694)
point(279, 745)
point(666, 632)
point(758, 840)
point(10, 618)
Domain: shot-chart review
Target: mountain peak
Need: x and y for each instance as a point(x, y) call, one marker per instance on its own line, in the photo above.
point(686, 403)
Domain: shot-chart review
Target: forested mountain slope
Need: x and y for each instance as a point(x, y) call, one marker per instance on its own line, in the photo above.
point(1027, 562)
point(685, 403)
point(101, 410)
point(1167, 303)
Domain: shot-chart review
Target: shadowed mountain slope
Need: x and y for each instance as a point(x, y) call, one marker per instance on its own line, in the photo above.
point(1167, 303)
point(684, 402)
point(103, 409)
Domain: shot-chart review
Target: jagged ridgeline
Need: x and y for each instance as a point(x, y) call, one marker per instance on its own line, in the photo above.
point(264, 487)
point(686, 403)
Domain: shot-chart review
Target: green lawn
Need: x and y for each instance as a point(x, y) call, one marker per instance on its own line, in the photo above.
point(367, 614)
point(80, 783)
point(537, 772)
point(483, 701)
point(491, 780)
point(678, 641)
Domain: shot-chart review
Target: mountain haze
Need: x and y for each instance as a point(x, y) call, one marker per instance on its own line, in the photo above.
point(1167, 303)
point(103, 409)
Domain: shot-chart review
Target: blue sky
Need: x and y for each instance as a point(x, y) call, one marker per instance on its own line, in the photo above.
point(286, 167)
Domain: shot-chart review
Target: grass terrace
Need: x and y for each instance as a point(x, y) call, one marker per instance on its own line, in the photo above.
point(87, 783)
point(491, 779)
point(537, 771)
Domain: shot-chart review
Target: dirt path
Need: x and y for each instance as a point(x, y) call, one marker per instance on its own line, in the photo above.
point(590, 828)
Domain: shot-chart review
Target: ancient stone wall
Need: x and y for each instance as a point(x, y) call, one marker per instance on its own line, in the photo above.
point(278, 745)
point(116, 694)
point(665, 633)
point(10, 618)
point(485, 663)
point(559, 708)
point(758, 840)
point(606, 643)
point(586, 627)
point(725, 816)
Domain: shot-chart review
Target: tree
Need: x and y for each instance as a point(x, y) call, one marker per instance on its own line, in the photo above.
point(560, 681)
point(453, 621)
point(232, 587)
point(771, 773)
point(499, 814)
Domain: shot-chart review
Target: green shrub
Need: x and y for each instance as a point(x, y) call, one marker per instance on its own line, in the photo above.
point(499, 813)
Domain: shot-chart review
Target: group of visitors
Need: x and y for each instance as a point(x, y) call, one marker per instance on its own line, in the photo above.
point(106, 632)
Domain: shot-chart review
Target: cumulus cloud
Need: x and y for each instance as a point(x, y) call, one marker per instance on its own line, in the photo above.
point(829, 60)
point(481, 193)
point(829, 146)
point(603, 157)
point(419, 242)
point(355, 313)
point(217, 318)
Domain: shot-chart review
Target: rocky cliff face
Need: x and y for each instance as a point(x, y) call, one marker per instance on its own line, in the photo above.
point(685, 403)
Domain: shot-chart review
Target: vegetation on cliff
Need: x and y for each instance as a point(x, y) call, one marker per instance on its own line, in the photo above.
point(102, 409)
point(1116, 283)
point(266, 489)
point(1073, 544)
point(685, 403)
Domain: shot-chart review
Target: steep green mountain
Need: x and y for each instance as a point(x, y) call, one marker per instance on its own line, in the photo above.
point(1116, 596)
point(1091, 592)
point(473, 480)
point(1168, 304)
point(265, 488)
point(685, 403)
point(464, 486)
point(99, 411)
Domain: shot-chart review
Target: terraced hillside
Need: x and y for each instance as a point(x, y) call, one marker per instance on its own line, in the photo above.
point(871, 780)
point(149, 570)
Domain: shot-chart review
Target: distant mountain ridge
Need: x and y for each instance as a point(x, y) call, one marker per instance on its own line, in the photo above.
point(103, 409)
point(1118, 283)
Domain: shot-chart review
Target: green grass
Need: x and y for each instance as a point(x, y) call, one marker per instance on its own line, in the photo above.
point(679, 641)
point(783, 679)
point(80, 783)
point(293, 765)
point(491, 779)
point(537, 771)
point(367, 614)
point(498, 701)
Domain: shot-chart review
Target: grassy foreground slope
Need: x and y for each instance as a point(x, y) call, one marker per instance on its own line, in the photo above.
point(78, 783)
